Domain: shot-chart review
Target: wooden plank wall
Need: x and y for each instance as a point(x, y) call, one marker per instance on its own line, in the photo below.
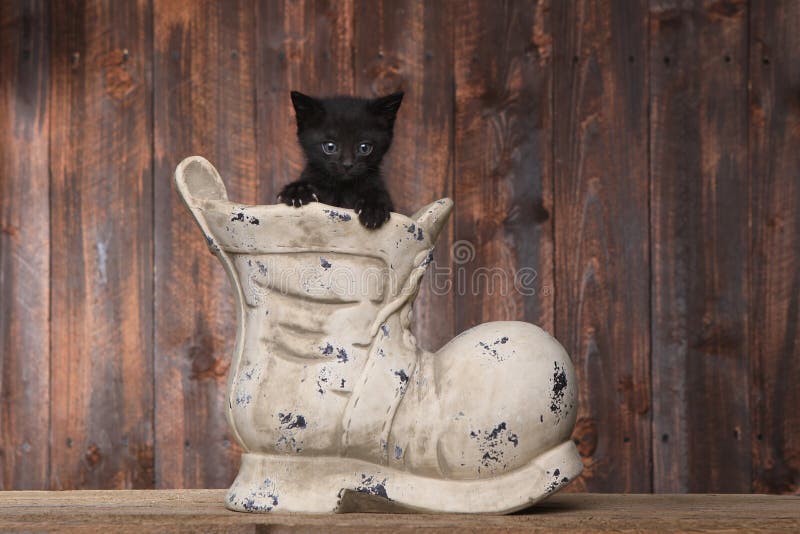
point(24, 245)
point(699, 200)
point(601, 238)
point(101, 246)
point(634, 163)
point(203, 84)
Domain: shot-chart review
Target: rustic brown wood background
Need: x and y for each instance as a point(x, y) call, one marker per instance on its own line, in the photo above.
point(642, 157)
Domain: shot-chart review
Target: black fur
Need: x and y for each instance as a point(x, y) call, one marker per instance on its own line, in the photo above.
point(348, 177)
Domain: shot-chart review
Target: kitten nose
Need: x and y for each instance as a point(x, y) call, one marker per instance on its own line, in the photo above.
point(347, 165)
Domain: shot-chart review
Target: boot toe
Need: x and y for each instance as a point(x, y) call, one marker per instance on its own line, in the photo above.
point(507, 394)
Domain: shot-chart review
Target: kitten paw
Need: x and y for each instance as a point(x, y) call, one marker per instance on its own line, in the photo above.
point(297, 194)
point(372, 215)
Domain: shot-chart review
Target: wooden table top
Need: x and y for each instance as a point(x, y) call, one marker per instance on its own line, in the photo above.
point(203, 511)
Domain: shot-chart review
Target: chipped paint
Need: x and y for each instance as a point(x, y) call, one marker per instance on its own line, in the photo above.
point(559, 386)
point(243, 399)
point(263, 498)
point(370, 484)
point(288, 427)
point(494, 445)
point(555, 483)
point(241, 217)
point(337, 215)
point(323, 379)
point(288, 422)
point(489, 348)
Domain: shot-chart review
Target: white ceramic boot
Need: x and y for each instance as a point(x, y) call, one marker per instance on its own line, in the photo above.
point(328, 391)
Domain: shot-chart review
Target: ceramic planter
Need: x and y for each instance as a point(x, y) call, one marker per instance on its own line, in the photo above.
point(328, 390)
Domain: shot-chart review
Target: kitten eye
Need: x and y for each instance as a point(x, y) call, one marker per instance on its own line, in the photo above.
point(364, 149)
point(329, 147)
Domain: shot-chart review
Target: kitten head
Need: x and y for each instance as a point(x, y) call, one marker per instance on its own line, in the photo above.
point(344, 136)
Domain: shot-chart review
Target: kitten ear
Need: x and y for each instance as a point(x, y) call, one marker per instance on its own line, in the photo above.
point(306, 109)
point(387, 106)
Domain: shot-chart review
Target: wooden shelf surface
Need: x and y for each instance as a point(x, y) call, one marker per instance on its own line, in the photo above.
point(142, 511)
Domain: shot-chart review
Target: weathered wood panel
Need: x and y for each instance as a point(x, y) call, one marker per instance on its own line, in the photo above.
point(204, 94)
point(503, 250)
point(408, 46)
point(701, 427)
point(24, 245)
point(601, 234)
point(101, 245)
point(774, 282)
point(304, 46)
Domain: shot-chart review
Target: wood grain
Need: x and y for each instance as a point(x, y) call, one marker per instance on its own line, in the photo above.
point(204, 100)
point(408, 46)
point(503, 250)
point(304, 46)
point(24, 245)
point(101, 245)
point(601, 234)
point(203, 511)
point(701, 427)
point(774, 279)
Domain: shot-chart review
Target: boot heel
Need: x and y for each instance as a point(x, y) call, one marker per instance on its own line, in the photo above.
point(268, 483)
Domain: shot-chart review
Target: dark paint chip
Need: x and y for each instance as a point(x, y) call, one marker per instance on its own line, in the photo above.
point(559, 387)
point(288, 421)
point(372, 486)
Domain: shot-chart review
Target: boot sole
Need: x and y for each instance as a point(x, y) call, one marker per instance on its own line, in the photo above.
point(293, 484)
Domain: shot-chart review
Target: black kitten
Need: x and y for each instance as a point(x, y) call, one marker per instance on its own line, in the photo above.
point(344, 140)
